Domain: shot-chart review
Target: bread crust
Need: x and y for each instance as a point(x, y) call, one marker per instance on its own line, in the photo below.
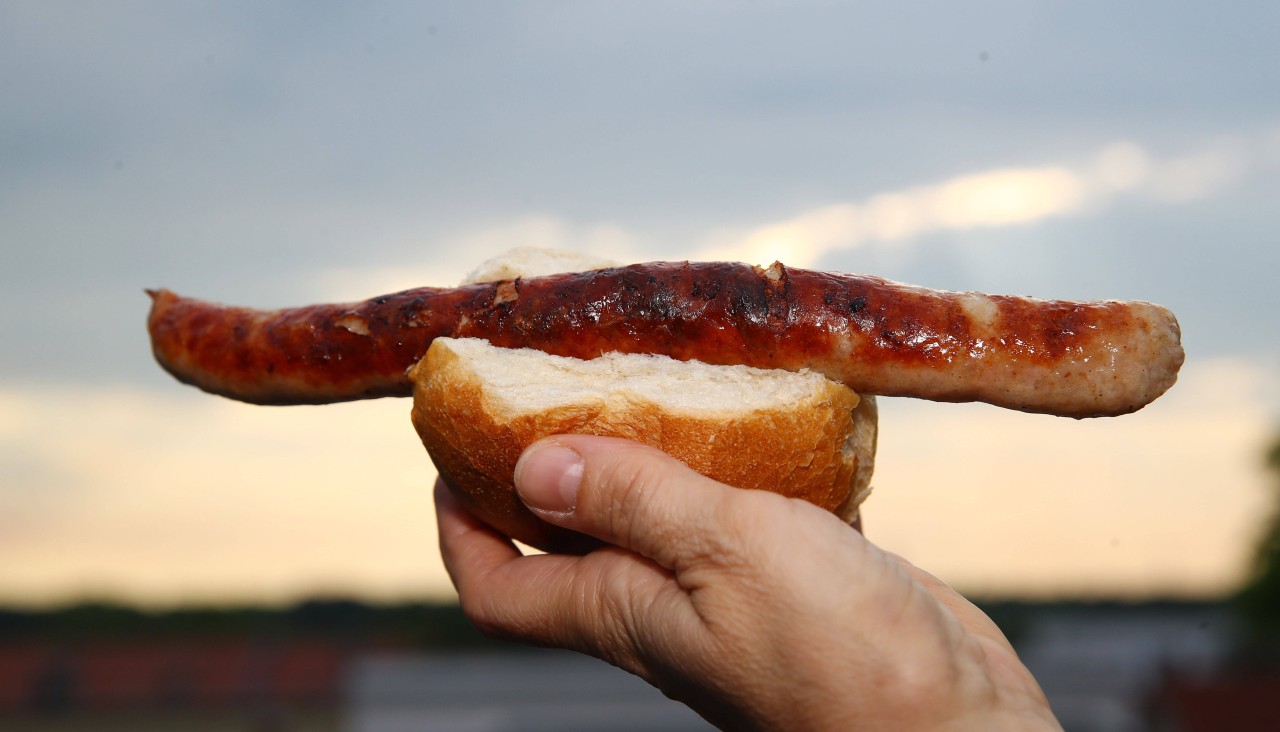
point(820, 450)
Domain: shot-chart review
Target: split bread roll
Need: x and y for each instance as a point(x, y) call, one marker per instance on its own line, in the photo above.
point(477, 407)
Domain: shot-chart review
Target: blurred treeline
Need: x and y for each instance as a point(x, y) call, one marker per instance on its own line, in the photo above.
point(1259, 599)
point(402, 625)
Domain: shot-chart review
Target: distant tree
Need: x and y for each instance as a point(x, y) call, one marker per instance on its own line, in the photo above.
point(1260, 597)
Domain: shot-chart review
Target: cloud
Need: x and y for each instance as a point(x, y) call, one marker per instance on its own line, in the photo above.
point(996, 198)
point(999, 197)
point(1200, 173)
point(1121, 166)
point(547, 232)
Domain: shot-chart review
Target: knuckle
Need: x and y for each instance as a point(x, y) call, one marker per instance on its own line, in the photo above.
point(628, 485)
point(742, 522)
point(915, 679)
point(617, 620)
point(603, 617)
point(483, 617)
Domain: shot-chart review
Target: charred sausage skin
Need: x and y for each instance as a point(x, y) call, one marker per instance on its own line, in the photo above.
point(1078, 359)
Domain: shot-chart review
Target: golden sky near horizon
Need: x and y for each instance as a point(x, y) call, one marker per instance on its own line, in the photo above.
point(187, 498)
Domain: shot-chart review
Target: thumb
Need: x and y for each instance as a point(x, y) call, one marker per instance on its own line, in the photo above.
point(626, 494)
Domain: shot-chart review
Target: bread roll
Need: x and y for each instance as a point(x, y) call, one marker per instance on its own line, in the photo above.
point(534, 262)
point(476, 408)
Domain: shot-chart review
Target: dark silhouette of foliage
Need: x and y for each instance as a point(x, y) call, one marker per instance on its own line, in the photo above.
point(423, 625)
point(1260, 598)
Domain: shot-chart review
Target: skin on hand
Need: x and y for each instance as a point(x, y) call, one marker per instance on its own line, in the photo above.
point(758, 611)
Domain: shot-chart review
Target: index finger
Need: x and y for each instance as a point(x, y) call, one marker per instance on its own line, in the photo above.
point(587, 603)
point(469, 548)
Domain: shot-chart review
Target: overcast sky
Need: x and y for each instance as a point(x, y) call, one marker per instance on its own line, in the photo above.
point(285, 153)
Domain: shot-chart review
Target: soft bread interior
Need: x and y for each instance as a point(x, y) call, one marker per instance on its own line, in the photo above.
point(524, 381)
point(534, 262)
point(477, 407)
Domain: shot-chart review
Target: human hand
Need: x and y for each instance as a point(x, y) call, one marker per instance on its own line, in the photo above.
point(758, 611)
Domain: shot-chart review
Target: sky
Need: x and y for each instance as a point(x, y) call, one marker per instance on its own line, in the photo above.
point(274, 154)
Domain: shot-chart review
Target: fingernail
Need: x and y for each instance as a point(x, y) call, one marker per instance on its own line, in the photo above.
point(547, 478)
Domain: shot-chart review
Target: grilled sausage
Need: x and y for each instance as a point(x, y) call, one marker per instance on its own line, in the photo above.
point(1078, 359)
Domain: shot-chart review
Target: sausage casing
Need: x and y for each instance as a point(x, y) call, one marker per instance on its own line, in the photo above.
point(1078, 359)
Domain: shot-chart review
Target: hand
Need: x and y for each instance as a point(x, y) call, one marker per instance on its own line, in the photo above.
point(758, 611)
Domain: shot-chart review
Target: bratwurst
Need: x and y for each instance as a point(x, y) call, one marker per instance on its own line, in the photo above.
point(1076, 359)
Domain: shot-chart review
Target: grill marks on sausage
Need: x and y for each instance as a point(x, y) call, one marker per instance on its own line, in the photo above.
point(875, 335)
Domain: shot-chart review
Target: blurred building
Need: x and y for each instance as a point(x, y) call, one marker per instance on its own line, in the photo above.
point(1164, 667)
point(542, 691)
point(111, 676)
point(1100, 664)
